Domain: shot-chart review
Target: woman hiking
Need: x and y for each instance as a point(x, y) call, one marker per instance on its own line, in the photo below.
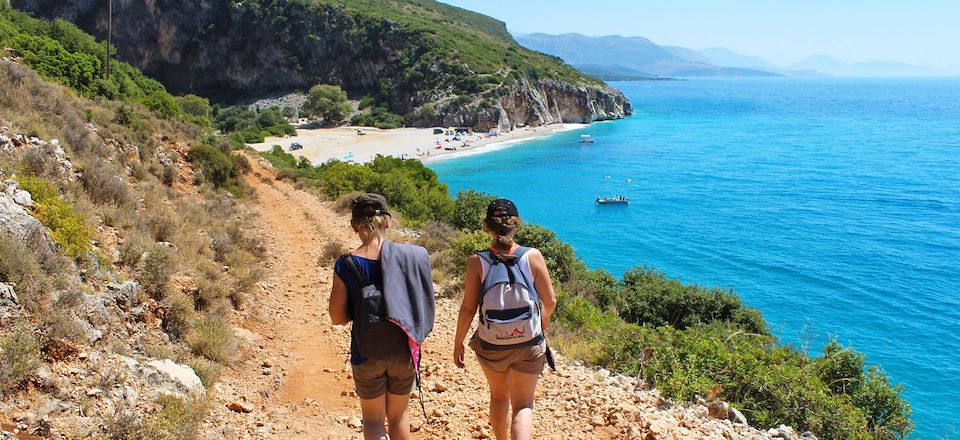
point(507, 282)
point(386, 290)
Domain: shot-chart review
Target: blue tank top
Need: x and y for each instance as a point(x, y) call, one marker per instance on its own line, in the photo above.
point(371, 270)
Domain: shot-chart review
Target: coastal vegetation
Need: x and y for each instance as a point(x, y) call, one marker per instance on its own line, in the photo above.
point(691, 342)
point(327, 103)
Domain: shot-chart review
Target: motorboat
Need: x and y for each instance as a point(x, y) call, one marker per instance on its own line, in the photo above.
point(585, 139)
point(617, 200)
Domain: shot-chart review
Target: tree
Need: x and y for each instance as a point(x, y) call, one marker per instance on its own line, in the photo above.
point(327, 102)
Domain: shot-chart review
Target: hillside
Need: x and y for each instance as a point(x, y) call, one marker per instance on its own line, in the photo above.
point(435, 64)
point(637, 53)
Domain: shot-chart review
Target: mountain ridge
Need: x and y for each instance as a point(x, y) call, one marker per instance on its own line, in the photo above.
point(433, 63)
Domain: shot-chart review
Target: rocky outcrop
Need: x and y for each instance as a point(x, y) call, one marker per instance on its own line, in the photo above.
point(244, 51)
point(542, 102)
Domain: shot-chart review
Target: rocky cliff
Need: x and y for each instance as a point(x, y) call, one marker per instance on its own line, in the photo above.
point(239, 51)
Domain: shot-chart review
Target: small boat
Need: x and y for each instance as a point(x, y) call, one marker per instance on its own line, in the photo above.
point(628, 180)
point(585, 139)
point(618, 200)
point(606, 177)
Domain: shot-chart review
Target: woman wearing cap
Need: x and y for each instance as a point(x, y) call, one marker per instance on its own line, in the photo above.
point(385, 339)
point(511, 370)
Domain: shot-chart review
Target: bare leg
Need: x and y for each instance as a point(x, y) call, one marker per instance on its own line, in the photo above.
point(374, 412)
point(499, 403)
point(522, 386)
point(399, 416)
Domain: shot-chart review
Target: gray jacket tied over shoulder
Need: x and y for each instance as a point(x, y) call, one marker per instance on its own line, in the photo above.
point(408, 291)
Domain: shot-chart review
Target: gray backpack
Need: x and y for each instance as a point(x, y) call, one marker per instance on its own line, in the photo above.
point(509, 306)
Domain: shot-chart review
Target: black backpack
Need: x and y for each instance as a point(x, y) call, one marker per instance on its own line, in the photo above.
point(369, 314)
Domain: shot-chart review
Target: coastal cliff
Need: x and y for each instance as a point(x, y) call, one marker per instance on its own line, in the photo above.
point(433, 63)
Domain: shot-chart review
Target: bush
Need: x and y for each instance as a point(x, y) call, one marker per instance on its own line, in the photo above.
point(331, 251)
point(178, 314)
point(177, 418)
point(470, 208)
point(156, 271)
point(649, 297)
point(104, 185)
point(67, 227)
point(561, 260)
point(19, 358)
point(129, 117)
point(212, 337)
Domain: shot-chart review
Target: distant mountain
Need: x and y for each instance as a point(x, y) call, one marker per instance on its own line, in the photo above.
point(722, 56)
point(833, 66)
point(636, 53)
point(614, 73)
point(689, 54)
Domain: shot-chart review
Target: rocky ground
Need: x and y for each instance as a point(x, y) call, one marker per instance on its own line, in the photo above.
point(295, 382)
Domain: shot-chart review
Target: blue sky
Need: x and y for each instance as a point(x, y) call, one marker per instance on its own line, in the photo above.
point(925, 32)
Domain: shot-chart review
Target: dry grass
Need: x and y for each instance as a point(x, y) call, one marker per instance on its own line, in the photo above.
point(213, 338)
point(331, 251)
point(19, 358)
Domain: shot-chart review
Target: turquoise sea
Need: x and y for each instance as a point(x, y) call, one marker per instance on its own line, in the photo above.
point(832, 205)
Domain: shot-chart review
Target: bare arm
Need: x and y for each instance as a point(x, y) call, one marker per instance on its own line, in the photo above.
point(338, 302)
point(544, 286)
point(468, 308)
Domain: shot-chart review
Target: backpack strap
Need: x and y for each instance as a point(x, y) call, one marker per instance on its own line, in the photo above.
point(351, 262)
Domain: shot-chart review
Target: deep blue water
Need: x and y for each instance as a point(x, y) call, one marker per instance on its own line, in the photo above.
point(832, 205)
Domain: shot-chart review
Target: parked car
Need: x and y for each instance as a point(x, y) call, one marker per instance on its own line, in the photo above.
point(295, 146)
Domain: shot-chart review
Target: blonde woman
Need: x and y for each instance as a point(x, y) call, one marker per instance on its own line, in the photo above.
point(507, 282)
point(386, 290)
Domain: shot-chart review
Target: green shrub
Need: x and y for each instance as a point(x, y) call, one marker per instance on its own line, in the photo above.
point(469, 210)
point(562, 262)
point(19, 358)
point(67, 227)
point(649, 297)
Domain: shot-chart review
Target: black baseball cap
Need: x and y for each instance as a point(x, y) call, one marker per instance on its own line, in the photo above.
point(502, 208)
point(368, 205)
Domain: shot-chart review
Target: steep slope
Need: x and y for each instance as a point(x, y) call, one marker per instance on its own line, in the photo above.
point(636, 53)
point(434, 63)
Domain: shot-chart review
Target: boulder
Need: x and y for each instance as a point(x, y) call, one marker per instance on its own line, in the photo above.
point(165, 375)
point(125, 296)
point(22, 198)
point(736, 416)
point(14, 220)
point(183, 375)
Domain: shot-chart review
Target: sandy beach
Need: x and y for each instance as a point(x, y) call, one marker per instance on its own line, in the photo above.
point(344, 143)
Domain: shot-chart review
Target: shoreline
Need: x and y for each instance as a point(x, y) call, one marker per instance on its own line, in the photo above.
point(345, 144)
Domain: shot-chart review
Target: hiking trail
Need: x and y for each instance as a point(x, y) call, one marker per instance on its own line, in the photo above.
point(293, 373)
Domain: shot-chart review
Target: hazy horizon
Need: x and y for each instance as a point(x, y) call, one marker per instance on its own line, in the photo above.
point(855, 32)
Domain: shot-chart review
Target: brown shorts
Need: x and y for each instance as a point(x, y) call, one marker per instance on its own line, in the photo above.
point(376, 377)
point(529, 360)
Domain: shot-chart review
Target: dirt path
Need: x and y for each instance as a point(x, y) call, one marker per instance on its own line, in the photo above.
point(294, 377)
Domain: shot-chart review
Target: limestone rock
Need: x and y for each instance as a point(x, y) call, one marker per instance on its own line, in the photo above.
point(736, 416)
point(182, 374)
point(166, 376)
point(9, 303)
point(23, 198)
